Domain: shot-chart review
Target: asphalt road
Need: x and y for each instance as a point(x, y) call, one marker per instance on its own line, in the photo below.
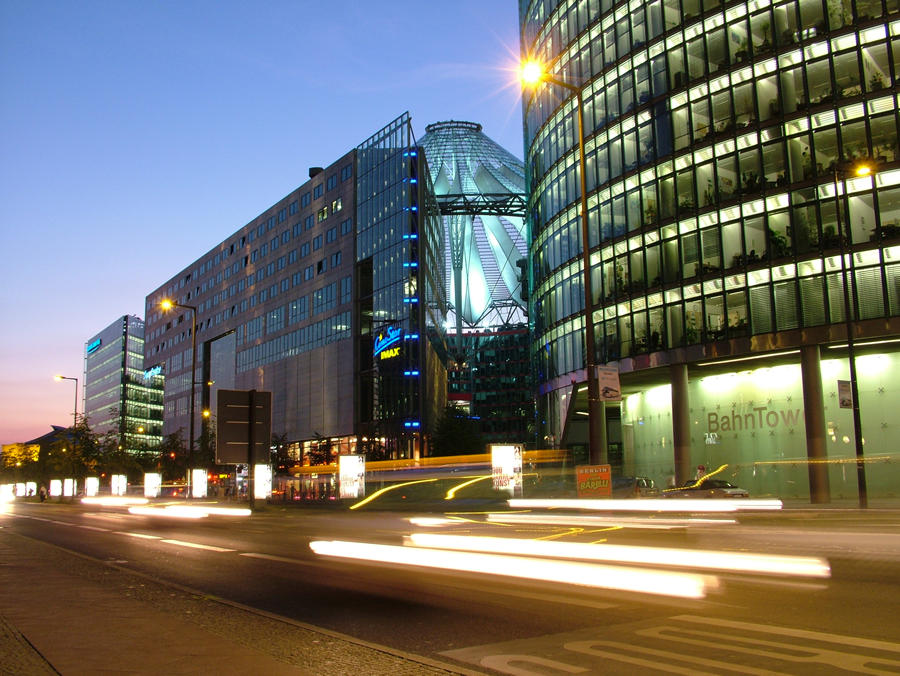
point(746, 623)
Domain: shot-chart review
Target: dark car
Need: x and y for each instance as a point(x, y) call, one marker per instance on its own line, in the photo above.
point(633, 487)
point(707, 488)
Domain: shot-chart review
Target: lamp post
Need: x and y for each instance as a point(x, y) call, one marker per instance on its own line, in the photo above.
point(533, 73)
point(850, 305)
point(75, 409)
point(168, 305)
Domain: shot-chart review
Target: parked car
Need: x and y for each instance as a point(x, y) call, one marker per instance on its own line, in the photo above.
point(633, 487)
point(707, 488)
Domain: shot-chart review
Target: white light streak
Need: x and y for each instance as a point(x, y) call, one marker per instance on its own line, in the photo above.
point(563, 520)
point(114, 501)
point(651, 505)
point(665, 583)
point(742, 562)
point(432, 521)
point(172, 511)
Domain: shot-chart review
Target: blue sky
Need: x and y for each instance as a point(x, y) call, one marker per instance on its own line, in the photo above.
point(134, 136)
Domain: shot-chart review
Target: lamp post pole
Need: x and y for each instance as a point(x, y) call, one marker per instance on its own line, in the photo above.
point(597, 446)
point(850, 305)
point(75, 408)
point(166, 305)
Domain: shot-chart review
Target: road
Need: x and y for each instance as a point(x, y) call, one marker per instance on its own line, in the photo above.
point(745, 622)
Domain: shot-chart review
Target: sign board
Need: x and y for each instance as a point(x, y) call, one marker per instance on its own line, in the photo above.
point(506, 468)
point(594, 481)
point(233, 415)
point(352, 474)
point(845, 394)
point(608, 383)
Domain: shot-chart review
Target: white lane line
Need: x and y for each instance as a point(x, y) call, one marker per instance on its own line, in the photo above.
point(97, 528)
point(270, 557)
point(137, 535)
point(194, 545)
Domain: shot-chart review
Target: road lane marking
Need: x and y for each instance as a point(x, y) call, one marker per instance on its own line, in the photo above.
point(587, 648)
point(137, 535)
point(779, 650)
point(195, 545)
point(97, 528)
point(504, 663)
point(272, 557)
point(797, 633)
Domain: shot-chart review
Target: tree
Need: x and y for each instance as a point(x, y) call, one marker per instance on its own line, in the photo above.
point(172, 459)
point(320, 452)
point(283, 459)
point(456, 434)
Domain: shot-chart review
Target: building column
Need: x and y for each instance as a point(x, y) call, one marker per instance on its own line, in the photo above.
point(681, 423)
point(814, 414)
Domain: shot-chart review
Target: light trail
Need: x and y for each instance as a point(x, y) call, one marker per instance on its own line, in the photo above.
point(742, 562)
point(663, 583)
point(652, 505)
point(387, 489)
point(569, 520)
point(114, 501)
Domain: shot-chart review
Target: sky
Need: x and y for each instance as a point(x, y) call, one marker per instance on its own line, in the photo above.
point(135, 136)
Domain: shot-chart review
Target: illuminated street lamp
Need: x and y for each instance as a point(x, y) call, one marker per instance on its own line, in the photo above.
point(533, 73)
point(850, 305)
point(167, 305)
point(75, 409)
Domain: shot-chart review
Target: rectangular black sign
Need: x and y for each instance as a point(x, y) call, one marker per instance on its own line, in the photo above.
point(235, 410)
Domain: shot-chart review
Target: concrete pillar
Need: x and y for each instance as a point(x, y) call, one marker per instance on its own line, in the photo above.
point(681, 423)
point(814, 414)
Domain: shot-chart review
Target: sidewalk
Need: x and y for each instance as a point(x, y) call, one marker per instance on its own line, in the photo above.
point(63, 613)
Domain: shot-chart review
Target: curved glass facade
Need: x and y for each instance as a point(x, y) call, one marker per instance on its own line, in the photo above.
point(720, 140)
point(483, 245)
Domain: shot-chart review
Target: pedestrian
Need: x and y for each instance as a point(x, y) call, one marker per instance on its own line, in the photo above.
point(701, 472)
point(43, 493)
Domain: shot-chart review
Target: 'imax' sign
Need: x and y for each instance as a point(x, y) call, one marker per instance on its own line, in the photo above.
point(387, 342)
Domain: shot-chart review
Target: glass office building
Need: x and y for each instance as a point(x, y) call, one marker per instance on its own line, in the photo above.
point(722, 141)
point(120, 397)
point(299, 300)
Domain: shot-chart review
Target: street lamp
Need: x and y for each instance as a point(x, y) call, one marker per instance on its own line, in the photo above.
point(532, 73)
point(75, 409)
point(850, 305)
point(167, 305)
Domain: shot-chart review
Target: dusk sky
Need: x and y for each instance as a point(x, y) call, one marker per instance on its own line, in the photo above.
point(134, 136)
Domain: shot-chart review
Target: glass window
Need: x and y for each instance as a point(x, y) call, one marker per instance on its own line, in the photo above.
point(736, 307)
point(780, 244)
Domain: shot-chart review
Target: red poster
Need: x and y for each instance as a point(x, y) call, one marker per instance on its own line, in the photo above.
point(594, 481)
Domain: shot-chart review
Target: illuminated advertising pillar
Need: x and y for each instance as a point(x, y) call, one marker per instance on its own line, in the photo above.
point(198, 483)
point(262, 486)
point(506, 468)
point(152, 483)
point(91, 486)
point(118, 484)
point(352, 474)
